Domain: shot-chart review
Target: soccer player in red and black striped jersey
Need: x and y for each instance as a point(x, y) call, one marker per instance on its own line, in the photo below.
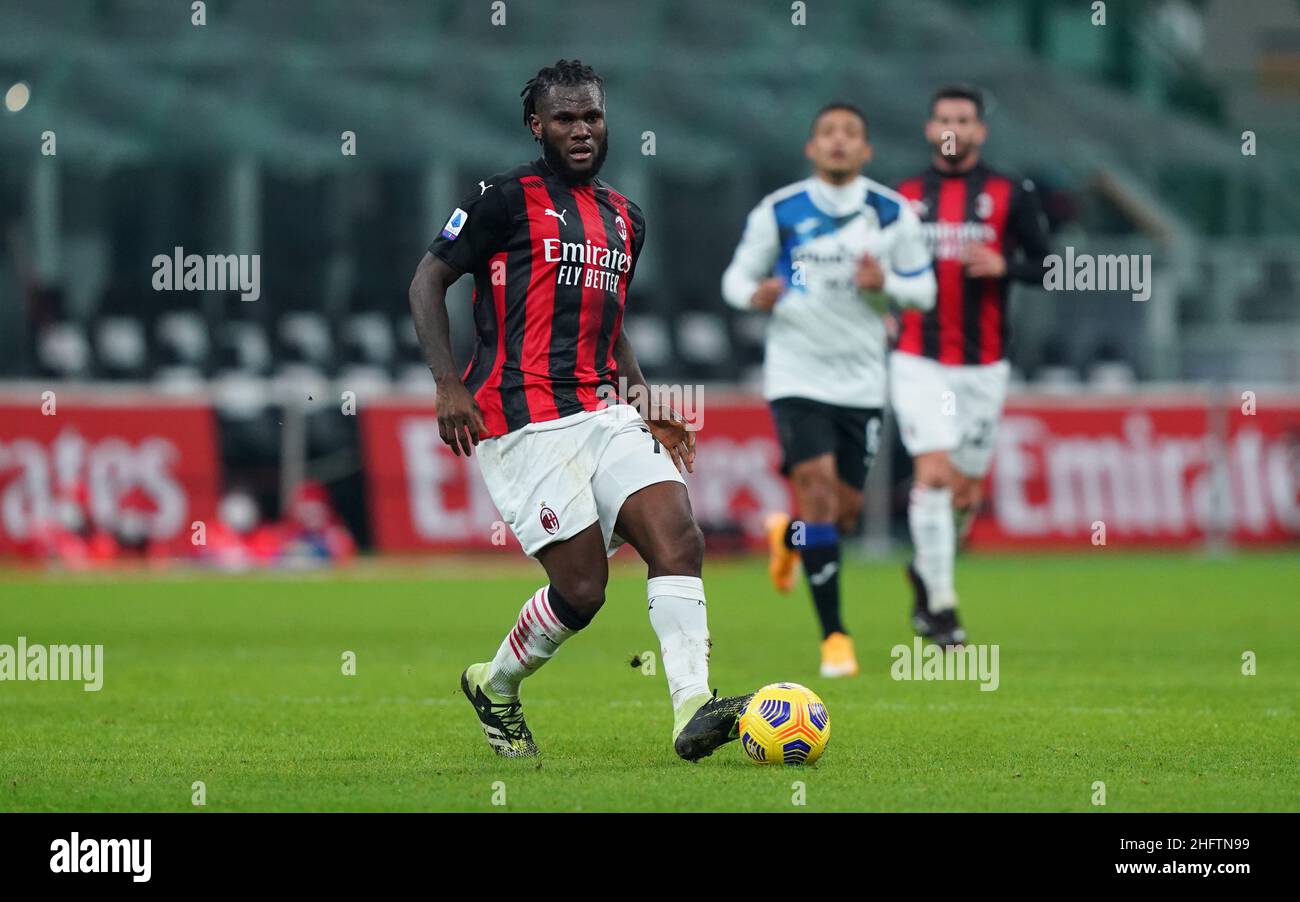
point(574, 470)
point(948, 372)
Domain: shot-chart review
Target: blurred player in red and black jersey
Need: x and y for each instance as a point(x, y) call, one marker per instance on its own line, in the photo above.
point(552, 250)
point(948, 372)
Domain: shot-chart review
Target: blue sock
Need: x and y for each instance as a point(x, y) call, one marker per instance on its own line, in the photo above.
point(821, 565)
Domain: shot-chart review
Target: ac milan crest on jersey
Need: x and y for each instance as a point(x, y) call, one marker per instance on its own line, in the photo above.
point(550, 522)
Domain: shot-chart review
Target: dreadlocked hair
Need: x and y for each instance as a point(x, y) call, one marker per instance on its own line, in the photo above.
point(564, 72)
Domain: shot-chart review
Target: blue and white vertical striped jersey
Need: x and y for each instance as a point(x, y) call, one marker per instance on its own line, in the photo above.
point(824, 340)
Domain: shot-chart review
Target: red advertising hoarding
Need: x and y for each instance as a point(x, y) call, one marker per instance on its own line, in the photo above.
point(1149, 470)
point(1150, 467)
point(104, 452)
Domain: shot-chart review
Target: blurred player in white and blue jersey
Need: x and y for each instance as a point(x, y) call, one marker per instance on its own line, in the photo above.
point(827, 256)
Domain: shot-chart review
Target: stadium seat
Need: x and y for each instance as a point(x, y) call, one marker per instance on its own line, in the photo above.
point(302, 381)
point(249, 427)
point(305, 338)
point(240, 395)
point(702, 339)
point(414, 377)
point(62, 351)
point(1057, 377)
point(181, 339)
point(363, 379)
point(1112, 376)
point(179, 379)
point(366, 338)
point(650, 340)
point(242, 345)
point(120, 347)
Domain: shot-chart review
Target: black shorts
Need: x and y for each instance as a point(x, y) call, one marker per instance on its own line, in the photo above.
point(808, 429)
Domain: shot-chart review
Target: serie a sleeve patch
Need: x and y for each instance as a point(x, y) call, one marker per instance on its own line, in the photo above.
point(451, 231)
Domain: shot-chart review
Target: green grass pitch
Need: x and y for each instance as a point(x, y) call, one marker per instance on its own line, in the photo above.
point(1114, 667)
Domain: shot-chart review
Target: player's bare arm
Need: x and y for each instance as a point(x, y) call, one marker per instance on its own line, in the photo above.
point(460, 422)
point(666, 425)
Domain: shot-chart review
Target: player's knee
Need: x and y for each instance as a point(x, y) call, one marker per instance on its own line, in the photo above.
point(818, 501)
point(934, 471)
point(584, 593)
point(682, 555)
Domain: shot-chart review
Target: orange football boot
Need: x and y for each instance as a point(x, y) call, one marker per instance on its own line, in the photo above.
point(838, 659)
point(781, 560)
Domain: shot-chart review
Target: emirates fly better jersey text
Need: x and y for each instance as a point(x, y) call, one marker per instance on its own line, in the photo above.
point(551, 263)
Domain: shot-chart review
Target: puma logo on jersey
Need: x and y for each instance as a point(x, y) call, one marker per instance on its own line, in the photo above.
point(559, 216)
point(825, 573)
point(482, 189)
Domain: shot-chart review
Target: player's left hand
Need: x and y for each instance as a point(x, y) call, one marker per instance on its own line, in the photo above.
point(983, 262)
point(676, 439)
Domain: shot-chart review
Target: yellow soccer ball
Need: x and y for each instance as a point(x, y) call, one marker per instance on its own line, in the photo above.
point(784, 723)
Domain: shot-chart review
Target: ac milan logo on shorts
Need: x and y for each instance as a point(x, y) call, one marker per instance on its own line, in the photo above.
point(550, 522)
point(621, 226)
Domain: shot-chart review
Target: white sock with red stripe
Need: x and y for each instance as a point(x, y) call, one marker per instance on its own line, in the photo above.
point(536, 635)
point(681, 622)
point(929, 514)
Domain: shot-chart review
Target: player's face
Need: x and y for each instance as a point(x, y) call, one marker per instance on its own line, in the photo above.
point(954, 129)
point(570, 124)
point(838, 148)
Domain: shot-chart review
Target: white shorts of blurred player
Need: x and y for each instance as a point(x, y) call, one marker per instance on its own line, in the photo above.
point(942, 407)
point(552, 480)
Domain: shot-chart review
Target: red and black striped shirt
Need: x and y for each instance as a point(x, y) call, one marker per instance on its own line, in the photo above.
point(968, 323)
point(551, 263)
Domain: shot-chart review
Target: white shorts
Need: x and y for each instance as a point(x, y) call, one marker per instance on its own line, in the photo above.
point(944, 407)
point(552, 480)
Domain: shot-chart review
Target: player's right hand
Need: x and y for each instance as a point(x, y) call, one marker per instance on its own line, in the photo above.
point(460, 422)
point(767, 293)
point(673, 433)
point(870, 275)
